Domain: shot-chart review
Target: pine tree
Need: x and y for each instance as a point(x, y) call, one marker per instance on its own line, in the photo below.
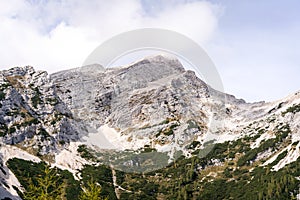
point(46, 187)
point(91, 192)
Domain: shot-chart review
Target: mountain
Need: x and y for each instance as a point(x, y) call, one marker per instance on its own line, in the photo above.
point(149, 130)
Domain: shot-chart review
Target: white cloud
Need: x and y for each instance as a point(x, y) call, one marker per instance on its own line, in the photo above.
point(196, 20)
point(53, 35)
point(255, 63)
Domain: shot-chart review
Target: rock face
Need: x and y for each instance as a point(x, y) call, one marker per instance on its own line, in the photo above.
point(30, 109)
point(154, 97)
point(152, 103)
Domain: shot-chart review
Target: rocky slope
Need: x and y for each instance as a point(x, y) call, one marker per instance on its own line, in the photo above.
point(153, 108)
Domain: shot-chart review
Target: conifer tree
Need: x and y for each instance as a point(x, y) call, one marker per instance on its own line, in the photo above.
point(46, 187)
point(91, 192)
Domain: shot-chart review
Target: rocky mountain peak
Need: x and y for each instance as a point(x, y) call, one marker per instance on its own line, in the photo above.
point(18, 71)
point(149, 69)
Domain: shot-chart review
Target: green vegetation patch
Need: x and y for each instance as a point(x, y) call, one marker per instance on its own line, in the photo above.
point(102, 175)
point(279, 158)
point(36, 99)
point(293, 109)
point(28, 173)
point(85, 152)
point(2, 95)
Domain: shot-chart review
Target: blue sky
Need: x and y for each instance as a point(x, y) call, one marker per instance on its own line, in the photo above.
point(262, 41)
point(254, 44)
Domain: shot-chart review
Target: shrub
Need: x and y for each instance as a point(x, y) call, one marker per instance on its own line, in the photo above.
point(293, 109)
point(2, 95)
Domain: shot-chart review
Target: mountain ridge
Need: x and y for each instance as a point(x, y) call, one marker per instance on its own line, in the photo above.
point(151, 105)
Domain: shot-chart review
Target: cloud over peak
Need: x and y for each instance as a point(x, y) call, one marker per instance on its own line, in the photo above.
point(61, 33)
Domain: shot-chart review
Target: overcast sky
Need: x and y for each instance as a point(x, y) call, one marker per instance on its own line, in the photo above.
point(254, 44)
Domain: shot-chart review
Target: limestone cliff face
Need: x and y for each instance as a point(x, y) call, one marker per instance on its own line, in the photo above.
point(152, 96)
point(154, 101)
point(31, 109)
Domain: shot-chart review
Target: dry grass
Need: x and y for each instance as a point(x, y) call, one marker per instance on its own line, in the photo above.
point(15, 81)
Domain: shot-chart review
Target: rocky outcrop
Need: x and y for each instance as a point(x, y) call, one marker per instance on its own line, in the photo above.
point(31, 110)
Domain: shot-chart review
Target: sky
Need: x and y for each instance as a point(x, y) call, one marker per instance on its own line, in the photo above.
point(254, 44)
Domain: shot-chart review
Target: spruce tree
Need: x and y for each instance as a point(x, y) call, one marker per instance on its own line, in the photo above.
point(91, 192)
point(46, 187)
